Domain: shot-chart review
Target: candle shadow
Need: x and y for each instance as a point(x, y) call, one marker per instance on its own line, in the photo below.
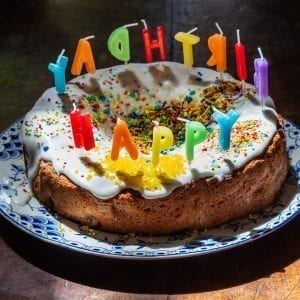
point(94, 88)
point(97, 167)
point(268, 109)
point(130, 81)
point(162, 74)
point(67, 102)
point(197, 80)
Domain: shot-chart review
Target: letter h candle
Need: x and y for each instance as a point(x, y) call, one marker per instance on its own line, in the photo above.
point(151, 44)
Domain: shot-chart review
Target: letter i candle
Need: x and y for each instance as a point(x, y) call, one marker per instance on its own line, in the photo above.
point(240, 57)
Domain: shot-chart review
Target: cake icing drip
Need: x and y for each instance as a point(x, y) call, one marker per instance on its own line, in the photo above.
point(139, 94)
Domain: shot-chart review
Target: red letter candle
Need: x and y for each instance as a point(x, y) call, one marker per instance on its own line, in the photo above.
point(82, 130)
point(151, 44)
point(240, 57)
point(217, 46)
point(83, 55)
point(76, 128)
point(123, 139)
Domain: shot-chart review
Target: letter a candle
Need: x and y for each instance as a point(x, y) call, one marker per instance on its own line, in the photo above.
point(123, 139)
point(83, 55)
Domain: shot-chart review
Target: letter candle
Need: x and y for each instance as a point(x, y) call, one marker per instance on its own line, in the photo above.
point(81, 125)
point(225, 122)
point(151, 44)
point(261, 77)
point(59, 72)
point(217, 46)
point(240, 57)
point(123, 139)
point(118, 43)
point(188, 40)
point(83, 55)
point(162, 139)
point(195, 133)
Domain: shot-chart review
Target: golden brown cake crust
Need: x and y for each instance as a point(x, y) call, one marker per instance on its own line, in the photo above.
point(202, 204)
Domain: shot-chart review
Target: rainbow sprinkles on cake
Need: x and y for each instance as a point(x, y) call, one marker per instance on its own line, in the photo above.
point(155, 147)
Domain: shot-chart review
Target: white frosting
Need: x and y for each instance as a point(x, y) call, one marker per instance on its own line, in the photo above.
point(47, 133)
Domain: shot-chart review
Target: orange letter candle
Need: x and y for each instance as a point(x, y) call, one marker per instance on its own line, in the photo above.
point(123, 139)
point(217, 46)
point(83, 55)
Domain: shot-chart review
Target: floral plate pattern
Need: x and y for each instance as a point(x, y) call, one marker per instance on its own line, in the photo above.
point(34, 219)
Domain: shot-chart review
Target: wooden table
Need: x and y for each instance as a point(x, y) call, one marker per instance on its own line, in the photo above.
point(33, 33)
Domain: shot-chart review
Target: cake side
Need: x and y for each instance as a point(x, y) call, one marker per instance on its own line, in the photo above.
point(200, 204)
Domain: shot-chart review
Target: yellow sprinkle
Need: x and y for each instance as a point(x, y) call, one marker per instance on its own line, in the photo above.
point(141, 173)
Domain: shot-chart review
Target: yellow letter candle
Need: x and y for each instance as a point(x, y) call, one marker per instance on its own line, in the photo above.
point(188, 40)
point(162, 139)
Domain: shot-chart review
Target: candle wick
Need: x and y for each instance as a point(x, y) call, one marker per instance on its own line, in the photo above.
point(183, 120)
point(238, 36)
point(219, 28)
point(243, 86)
point(145, 24)
point(60, 55)
point(62, 52)
point(192, 30)
point(131, 25)
point(155, 122)
point(89, 37)
point(260, 53)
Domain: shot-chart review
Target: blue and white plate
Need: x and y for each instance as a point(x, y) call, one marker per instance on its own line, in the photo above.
point(34, 219)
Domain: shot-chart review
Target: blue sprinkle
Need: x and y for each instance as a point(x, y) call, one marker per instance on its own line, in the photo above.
point(45, 148)
point(188, 99)
point(106, 111)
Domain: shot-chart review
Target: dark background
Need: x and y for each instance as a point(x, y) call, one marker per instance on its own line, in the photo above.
point(32, 34)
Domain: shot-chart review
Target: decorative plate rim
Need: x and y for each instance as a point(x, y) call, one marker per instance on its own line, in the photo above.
point(167, 247)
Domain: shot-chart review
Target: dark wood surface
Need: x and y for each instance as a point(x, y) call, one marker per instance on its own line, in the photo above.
point(32, 33)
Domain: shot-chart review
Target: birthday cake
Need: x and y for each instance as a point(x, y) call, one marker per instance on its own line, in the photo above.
point(191, 185)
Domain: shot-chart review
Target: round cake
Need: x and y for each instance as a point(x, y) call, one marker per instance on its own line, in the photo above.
point(134, 195)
